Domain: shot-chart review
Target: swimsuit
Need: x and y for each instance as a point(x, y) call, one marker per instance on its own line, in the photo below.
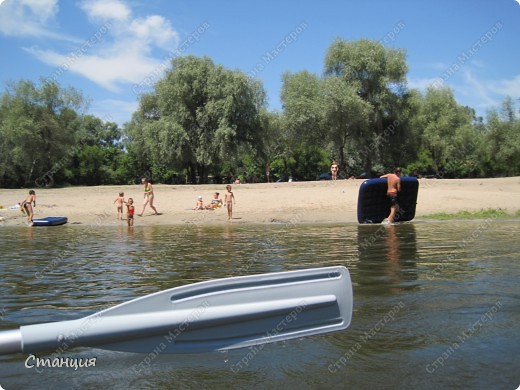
point(131, 213)
point(392, 196)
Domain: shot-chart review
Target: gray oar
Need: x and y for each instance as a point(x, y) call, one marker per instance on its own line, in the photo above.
point(207, 316)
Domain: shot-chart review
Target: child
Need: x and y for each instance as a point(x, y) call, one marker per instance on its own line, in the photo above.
point(120, 200)
point(200, 204)
point(27, 208)
point(229, 200)
point(131, 210)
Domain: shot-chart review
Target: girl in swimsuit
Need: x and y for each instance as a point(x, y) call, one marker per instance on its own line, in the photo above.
point(148, 196)
point(131, 209)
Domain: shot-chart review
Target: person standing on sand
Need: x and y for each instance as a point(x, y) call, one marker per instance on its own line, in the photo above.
point(27, 208)
point(229, 200)
point(334, 168)
point(120, 200)
point(393, 188)
point(148, 196)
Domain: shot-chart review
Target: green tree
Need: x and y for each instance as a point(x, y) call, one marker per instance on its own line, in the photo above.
point(303, 135)
point(500, 147)
point(448, 137)
point(139, 152)
point(97, 159)
point(38, 125)
point(346, 117)
point(377, 75)
point(203, 113)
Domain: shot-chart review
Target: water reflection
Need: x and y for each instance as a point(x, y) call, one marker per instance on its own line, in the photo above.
point(387, 257)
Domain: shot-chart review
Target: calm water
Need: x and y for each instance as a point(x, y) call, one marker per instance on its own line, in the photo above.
point(436, 305)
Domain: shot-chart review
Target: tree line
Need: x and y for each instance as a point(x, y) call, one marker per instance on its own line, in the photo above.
point(203, 122)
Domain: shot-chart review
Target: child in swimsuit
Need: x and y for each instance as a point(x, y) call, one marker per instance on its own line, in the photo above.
point(130, 210)
point(229, 200)
point(119, 202)
point(27, 208)
point(199, 205)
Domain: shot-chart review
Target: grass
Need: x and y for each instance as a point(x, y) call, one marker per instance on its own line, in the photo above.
point(481, 214)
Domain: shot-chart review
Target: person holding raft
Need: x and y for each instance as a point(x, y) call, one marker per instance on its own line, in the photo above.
point(394, 186)
point(148, 196)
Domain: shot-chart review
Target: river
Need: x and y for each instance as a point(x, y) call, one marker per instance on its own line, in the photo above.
point(436, 304)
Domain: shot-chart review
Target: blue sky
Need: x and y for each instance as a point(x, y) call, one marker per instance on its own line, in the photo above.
point(113, 49)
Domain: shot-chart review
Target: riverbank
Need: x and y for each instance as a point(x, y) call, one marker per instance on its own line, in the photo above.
point(297, 202)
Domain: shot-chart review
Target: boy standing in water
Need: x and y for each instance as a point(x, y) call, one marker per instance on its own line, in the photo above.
point(394, 186)
point(229, 200)
point(130, 210)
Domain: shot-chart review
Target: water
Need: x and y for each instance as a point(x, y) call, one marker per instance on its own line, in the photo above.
point(436, 305)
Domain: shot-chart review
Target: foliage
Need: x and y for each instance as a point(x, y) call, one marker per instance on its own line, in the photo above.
point(203, 121)
point(202, 113)
point(376, 75)
point(38, 126)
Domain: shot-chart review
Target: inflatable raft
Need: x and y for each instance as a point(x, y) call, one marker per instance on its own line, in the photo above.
point(50, 221)
point(374, 206)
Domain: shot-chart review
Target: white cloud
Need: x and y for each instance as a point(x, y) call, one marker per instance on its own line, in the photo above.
point(106, 71)
point(30, 18)
point(42, 9)
point(123, 53)
point(477, 90)
point(422, 83)
point(507, 87)
point(106, 9)
point(473, 91)
point(154, 29)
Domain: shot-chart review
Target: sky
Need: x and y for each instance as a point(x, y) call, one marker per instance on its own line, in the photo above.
point(114, 50)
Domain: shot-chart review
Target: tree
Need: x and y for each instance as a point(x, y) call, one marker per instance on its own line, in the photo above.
point(140, 154)
point(500, 148)
point(302, 115)
point(345, 118)
point(202, 113)
point(98, 158)
point(448, 138)
point(377, 75)
point(303, 131)
point(38, 125)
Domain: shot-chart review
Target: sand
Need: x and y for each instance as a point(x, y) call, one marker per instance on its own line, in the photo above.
point(296, 203)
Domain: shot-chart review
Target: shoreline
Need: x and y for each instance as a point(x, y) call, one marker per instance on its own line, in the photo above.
point(316, 202)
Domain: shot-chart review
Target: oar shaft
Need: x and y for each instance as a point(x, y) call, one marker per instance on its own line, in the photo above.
point(95, 331)
point(10, 341)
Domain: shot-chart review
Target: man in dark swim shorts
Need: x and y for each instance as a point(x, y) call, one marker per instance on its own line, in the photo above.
point(394, 186)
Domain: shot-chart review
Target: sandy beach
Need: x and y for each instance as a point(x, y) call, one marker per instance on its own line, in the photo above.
point(297, 202)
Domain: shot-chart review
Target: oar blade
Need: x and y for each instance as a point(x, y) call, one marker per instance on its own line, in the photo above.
point(238, 312)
